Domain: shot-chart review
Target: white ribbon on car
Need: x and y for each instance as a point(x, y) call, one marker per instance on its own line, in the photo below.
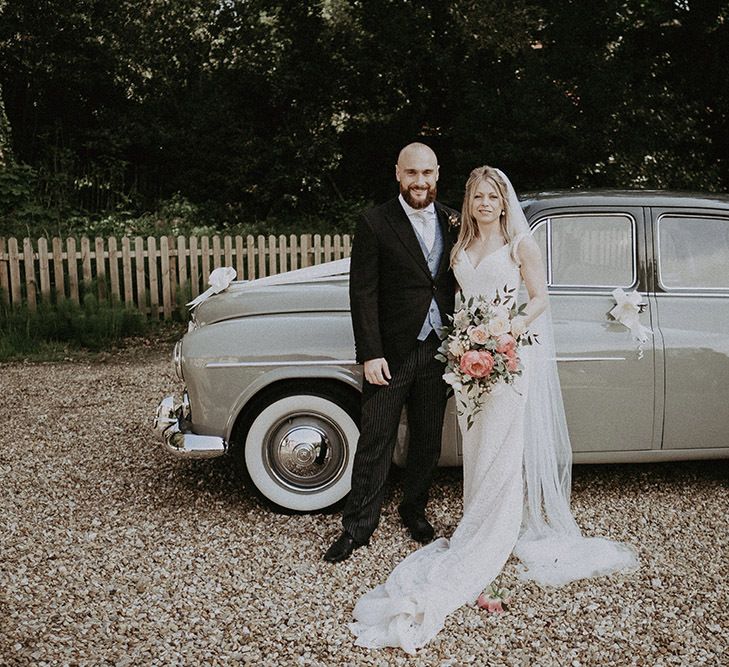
point(318, 272)
point(627, 312)
point(219, 280)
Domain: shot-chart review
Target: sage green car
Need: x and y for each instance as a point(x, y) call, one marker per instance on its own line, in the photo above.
point(270, 377)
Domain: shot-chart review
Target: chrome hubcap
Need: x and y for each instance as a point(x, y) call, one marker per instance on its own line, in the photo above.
point(305, 452)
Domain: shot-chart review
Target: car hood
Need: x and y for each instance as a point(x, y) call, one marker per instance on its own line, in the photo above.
point(318, 288)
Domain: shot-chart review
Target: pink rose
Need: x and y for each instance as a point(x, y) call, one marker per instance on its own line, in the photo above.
point(477, 363)
point(493, 605)
point(505, 343)
point(512, 361)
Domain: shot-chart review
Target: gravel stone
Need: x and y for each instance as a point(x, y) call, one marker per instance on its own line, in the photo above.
point(112, 553)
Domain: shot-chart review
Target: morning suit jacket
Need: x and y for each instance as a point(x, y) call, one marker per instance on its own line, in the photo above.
point(390, 284)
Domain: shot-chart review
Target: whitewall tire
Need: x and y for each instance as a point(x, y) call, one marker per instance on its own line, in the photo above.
point(299, 452)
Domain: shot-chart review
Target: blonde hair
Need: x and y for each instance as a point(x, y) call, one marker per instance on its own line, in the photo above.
point(469, 227)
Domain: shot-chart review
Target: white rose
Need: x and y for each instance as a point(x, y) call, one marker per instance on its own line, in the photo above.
point(502, 312)
point(498, 326)
point(518, 326)
point(479, 334)
point(460, 319)
point(452, 379)
point(456, 348)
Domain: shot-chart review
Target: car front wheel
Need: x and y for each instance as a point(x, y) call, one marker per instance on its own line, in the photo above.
point(299, 450)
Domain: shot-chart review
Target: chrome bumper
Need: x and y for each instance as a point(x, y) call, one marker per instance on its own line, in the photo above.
point(171, 422)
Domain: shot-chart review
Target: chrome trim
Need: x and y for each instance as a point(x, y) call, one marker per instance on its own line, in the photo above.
point(548, 223)
point(709, 291)
point(168, 424)
point(305, 451)
point(586, 291)
point(177, 359)
point(548, 258)
point(567, 359)
point(238, 364)
point(634, 247)
point(186, 409)
point(710, 295)
point(649, 455)
point(685, 291)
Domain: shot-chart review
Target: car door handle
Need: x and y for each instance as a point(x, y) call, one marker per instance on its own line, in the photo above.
point(642, 307)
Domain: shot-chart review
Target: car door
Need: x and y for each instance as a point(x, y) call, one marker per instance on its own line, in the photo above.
point(692, 302)
point(608, 384)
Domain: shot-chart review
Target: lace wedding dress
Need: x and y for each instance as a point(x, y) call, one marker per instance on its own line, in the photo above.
point(410, 608)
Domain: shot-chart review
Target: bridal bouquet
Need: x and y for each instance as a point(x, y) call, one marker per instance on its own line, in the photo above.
point(481, 348)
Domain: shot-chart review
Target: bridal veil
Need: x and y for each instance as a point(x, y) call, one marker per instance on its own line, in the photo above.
point(551, 547)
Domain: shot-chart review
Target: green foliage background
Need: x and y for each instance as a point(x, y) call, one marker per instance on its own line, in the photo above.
point(131, 116)
point(51, 330)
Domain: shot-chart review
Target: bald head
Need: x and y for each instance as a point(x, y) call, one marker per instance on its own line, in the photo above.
point(417, 172)
point(416, 150)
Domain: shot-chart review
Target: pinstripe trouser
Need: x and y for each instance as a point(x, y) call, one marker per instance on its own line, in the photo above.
point(418, 384)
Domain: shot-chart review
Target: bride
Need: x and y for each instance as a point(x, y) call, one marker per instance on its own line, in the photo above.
point(516, 454)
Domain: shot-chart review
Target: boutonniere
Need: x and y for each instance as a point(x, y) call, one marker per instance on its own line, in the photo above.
point(454, 221)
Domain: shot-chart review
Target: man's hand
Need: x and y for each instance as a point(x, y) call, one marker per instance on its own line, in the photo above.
point(377, 371)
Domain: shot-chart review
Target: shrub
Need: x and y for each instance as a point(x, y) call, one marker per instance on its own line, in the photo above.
point(176, 216)
point(94, 325)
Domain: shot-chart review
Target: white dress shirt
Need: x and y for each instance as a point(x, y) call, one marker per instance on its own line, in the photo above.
point(423, 221)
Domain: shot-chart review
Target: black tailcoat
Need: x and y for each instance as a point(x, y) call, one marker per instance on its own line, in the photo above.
point(390, 284)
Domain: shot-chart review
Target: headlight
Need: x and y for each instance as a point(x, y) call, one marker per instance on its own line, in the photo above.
point(177, 360)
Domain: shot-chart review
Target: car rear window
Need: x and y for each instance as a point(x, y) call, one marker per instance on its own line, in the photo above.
point(693, 252)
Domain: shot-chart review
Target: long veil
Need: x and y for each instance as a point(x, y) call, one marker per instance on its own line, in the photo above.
point(551, 547)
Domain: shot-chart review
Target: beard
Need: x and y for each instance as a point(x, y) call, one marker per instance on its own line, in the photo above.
point(432, 191)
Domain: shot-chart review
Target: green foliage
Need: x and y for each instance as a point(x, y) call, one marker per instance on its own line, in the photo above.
point(6, 144)
point(16, 188)
point(94, 325)
point(179, 216)
point(157, 115)
point(19, 207)
point(176, 215)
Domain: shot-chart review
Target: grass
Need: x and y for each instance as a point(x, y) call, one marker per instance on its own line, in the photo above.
point(67, 330)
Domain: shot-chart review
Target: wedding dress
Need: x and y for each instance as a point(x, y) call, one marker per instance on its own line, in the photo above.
point(516, 484)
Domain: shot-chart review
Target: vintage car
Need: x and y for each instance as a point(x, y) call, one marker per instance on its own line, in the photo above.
point(271, 379)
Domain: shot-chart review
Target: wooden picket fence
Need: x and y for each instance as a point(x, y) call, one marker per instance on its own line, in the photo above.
point(150, 273)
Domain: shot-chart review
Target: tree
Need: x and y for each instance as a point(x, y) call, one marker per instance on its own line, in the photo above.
point(6, 148)
point(275, 110)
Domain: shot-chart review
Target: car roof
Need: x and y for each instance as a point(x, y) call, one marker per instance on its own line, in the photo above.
point(656, 198)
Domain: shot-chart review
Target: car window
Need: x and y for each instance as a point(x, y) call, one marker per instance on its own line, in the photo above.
point(693, 252)
point(588, 250)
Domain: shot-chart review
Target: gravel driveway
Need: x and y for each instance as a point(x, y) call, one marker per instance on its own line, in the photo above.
point(113, 554)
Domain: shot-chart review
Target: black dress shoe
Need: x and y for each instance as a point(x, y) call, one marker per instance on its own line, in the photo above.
point(419, 527)
point(342, 548)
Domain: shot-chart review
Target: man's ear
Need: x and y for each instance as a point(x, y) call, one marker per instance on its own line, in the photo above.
point(397, 172)
point(437, 171)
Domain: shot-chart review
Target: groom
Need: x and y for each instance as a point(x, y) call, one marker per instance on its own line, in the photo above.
point(401, 289)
